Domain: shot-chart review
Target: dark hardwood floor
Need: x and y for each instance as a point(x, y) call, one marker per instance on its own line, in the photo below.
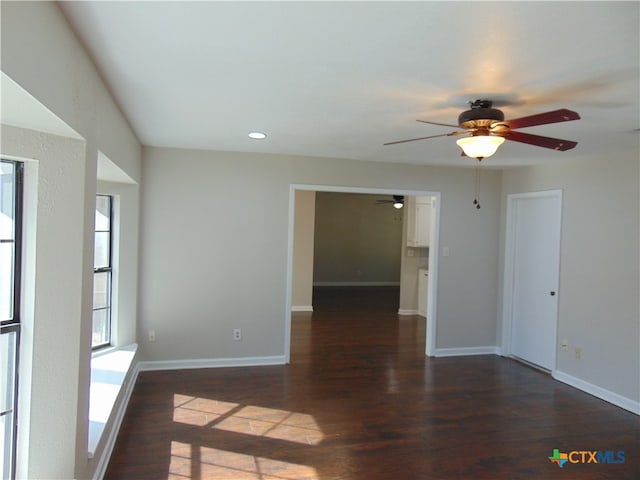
point(360, 401)
point(356, 299)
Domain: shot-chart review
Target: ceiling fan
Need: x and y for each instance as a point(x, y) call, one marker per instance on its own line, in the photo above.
point(397, 201)
point(485, 129)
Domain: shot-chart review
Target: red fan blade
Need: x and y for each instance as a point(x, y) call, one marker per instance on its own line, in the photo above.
point(539, 141)
point(556, 116)
point(425, 138)
point(436, 123)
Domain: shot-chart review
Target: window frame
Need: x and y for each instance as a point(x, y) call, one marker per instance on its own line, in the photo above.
point(18, 180)
point(13, 324)
point(109, 271)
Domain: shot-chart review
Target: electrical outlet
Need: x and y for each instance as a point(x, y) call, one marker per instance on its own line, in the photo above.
point(152, 335)
point(578, 352)
point(237, 334)
point(565, 345)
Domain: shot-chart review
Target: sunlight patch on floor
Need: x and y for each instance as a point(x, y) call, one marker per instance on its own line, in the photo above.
point(270, 423)
point(198, 462)
point(248, 420)
point(199, 411)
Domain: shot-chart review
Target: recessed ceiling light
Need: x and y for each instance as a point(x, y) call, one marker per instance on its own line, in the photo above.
point(257, 135)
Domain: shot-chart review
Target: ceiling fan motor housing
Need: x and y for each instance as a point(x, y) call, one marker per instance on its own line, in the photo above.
point(480, 116)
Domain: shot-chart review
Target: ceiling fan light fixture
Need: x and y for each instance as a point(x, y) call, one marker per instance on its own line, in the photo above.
point(398, 204)
point(480, 146)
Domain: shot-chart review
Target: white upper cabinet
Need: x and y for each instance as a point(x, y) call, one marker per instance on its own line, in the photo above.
point(419, 214)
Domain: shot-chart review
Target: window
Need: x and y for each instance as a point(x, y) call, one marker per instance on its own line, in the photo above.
point(102, 272)
point(10, 249)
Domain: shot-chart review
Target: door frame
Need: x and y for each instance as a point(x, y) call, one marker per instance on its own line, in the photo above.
point(431, 327)
point(509, 268)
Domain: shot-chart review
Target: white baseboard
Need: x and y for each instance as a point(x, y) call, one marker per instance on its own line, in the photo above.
point(602, 393)
point(356, 284)
point(405, 311)
point(211, 363)
point(465, 351)
point(302, 308)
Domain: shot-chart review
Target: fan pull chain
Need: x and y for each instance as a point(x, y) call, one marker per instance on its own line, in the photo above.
point(476, 200)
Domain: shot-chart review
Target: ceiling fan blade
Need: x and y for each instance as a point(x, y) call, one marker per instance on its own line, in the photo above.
point(555, 116)
point(540, 141)
point(425, 138)
point(437, 123)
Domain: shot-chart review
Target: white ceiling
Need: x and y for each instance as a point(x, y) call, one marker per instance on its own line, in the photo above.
point(338, 79)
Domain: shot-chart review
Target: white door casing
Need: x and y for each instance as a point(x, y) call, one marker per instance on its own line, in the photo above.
point(531, 280)
point(431, 326)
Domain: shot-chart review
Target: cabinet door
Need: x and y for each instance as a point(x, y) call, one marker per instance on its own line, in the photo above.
point(418, 221)
point(410, 205)
point(423, 224)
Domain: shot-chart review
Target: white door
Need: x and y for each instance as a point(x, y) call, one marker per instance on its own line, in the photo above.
point(533, 245)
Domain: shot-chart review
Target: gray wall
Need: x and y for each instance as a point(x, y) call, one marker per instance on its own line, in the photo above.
point(214, 235)
point(228, 265)
point(304, 226)
point(357, 240)
point(599, 266)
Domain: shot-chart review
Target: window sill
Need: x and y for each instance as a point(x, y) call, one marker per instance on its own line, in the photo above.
point(109, 369)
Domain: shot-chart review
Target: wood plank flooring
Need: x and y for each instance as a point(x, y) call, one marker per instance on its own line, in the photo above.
point(360, 401)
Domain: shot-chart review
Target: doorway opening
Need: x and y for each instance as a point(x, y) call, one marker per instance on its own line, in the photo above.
point(390, 288)
point(357, 242)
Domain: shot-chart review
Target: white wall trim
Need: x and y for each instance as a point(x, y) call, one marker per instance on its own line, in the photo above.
point(602, 393)
point(302, 308)
point(356, 284)
point(407, 311)
point(432, 290)
point(466, 351)
point(432, 309)
point(105, 455)
point(211, 363)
